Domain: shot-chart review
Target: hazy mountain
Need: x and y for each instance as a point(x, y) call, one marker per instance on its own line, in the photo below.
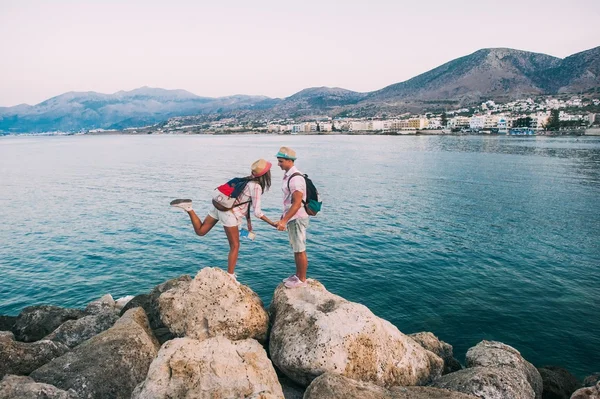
point(577, 73)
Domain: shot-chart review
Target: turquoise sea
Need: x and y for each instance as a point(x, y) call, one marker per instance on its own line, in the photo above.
point(470, 238)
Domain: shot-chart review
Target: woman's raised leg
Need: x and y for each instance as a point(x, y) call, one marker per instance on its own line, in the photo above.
point(202, 228)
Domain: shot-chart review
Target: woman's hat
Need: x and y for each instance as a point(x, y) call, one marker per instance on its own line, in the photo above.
point(286, 153)
point(260, 167)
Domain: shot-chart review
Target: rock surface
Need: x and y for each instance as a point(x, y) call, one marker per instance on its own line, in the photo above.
point(35, 322)
point(110, 364)
point(212, 368)
point(587, 393)
point(74, 332)
point(315, 332)
point(18, 387)
point(335, 386)
point(488, 383)
point(7, 323)
point(432, 343)
point(558, 383)
point(497, 354)
point(106, 304)
point(23, 357)
point(591, 380)
point(214, 305)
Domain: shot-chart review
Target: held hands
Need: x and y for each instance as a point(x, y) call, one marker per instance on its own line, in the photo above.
point(281, 225)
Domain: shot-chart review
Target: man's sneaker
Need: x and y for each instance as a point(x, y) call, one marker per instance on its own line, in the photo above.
point(234, 278)
point(185, 204)
point(295, 283)
point(290, 278)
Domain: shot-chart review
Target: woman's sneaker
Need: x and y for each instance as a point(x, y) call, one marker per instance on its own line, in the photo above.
point(290, 278)
point(297, 283)
point(185, 204)
point(234, 278)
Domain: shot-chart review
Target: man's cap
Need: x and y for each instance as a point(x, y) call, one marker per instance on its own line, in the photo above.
point(260, 167)
point(286, 153)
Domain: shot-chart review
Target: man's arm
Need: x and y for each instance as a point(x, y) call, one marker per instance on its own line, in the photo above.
point(296, 204)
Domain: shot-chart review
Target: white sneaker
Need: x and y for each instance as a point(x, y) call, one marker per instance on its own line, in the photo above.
point(297, 283)
point(185, 204)
point(234, 278)
point(290, 278)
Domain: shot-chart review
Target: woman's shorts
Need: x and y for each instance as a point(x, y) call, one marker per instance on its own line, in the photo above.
point(297, 233)
point(228, 219)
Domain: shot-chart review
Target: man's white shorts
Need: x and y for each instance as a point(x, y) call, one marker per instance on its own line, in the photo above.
point(297, 233)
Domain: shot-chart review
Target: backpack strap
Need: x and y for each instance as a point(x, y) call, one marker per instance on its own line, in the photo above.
point(294, 175)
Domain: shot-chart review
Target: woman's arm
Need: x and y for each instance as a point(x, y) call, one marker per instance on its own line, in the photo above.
point(256, 195)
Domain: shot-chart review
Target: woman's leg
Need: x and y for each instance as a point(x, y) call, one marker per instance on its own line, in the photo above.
point(233, 236)
point(202, 228)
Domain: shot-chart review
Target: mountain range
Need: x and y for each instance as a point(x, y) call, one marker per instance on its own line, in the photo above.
point(499, 74)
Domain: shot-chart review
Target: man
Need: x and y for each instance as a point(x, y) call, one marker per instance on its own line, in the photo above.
point(294, 218)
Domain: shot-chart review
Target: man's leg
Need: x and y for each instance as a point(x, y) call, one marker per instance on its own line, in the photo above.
point(301, 265)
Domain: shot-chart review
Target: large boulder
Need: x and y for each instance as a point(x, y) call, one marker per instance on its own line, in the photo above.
point(18, 387)
point(149, 302)
point(432, 343)
point(488, 383)
point(108, 365)
point(497, 354)
point(23, 357)
point(212, 368)
point(587, 393)
point(558, 382)
point(315, 331)
point(335, 386)
point(35, 322)
point(105, 304)
point(74, 332)
point(214, 305)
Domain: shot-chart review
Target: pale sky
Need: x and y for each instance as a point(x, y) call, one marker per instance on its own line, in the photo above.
point(265, 47)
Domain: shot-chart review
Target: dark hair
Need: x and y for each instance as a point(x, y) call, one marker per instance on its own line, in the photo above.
point(264, 181)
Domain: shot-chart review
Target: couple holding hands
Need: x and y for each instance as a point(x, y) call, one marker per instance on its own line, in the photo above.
point(294, 218)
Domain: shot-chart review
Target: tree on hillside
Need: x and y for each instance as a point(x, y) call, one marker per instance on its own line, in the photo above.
point(554, 120)
point(444, 119)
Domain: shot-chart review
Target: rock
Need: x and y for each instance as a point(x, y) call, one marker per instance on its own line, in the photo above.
point(74, 332)
point(121, 302)
point(214, 305)
point(108, 365)
point(290, 389)
point(591, 380)
point(23, 357)
point(35, 322)
point(149, 302)
point(430, 342)
point(334, 386)
point(315, 332)
point(212, 368)
point(488, 383)
point(18, 387)
point(106, 304)
point(7, 323)
point(587, 393)
point(497, 354)
point(558, 383)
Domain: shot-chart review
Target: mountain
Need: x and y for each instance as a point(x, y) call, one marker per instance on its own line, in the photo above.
point(75, 111)
point(499, 74)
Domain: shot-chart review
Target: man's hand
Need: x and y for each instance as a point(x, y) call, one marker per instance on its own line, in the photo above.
point(281, 225)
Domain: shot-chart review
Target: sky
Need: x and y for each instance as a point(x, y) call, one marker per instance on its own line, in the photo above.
point(265, 47)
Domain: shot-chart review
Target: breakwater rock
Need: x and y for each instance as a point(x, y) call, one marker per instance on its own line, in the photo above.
point(208, 337)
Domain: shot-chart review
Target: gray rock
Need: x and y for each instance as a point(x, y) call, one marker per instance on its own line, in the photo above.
point(587, 392)
point(291, 390)
point(108, 365)
point(432, 343)
point(488, 383)
point(23, 357)
point(7, 323)
point(591, 380)
point(35, 322)
point(558, 382)
point(497, 354)
point(212, 368)
point(335, 386)
point(106, 304)
point(212, 305)
point(121, 302)
point(18, 387)
point(149, 302)
point(315, 331)
point(74, 332)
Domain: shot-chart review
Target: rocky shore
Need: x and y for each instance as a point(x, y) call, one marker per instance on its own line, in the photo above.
point(208, 337)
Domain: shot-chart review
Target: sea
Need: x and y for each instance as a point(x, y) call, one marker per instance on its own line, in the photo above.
point(469, 237)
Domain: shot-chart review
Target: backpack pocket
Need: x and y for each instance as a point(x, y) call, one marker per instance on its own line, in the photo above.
point(221, 201)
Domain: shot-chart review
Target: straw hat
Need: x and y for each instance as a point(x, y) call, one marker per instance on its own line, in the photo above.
point(260, 167)
point(286, 153)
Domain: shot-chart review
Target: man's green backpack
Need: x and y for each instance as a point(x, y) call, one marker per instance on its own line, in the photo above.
point(313, 201)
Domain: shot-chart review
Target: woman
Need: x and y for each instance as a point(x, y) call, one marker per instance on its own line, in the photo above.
point(259, 182)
